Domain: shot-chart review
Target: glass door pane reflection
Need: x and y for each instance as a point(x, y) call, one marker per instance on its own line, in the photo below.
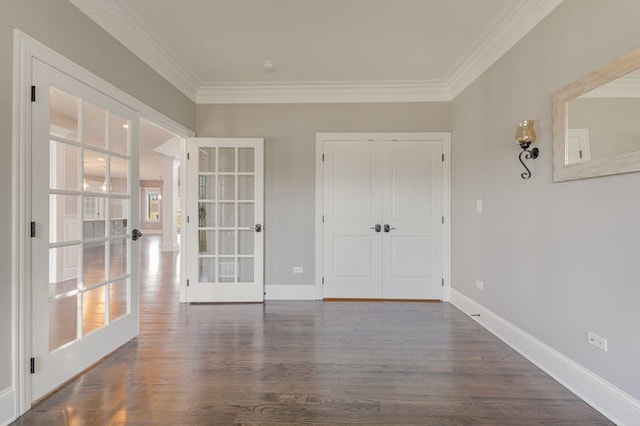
point(118, 296)
point(207, 270)
point(63, 325)
point(93, 309)
point(245, 269)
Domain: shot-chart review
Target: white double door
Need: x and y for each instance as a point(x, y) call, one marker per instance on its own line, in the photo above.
point(383, 219)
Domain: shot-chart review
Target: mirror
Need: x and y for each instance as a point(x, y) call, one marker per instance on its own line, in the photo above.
point(596, 122)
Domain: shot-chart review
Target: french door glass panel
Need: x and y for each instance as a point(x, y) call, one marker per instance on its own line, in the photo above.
point(82, 169)
point(227, 259)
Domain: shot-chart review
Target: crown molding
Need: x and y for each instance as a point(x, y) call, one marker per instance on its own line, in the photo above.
point(121, 22)
point(515, 20)
point(323, 92)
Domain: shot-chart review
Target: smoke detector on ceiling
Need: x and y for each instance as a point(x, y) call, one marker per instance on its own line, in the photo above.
point(268, 65)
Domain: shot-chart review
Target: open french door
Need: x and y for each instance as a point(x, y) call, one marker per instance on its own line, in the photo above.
point(225, 241)
point(84, 204)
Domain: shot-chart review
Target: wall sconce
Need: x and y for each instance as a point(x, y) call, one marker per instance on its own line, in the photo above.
point(525, 136)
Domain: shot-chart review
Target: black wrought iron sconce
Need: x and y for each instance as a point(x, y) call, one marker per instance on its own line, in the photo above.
point(525, 136)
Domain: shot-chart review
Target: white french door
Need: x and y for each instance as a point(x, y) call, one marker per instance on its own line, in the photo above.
point(383, 219)
point(225, 242)
point(84, 271)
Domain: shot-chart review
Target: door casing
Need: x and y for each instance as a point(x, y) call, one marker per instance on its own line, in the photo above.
point(444, 138)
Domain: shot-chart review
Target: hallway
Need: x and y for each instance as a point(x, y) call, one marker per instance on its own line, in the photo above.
point(305, 363)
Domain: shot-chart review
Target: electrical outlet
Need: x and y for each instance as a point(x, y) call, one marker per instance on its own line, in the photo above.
point(597, 341)
point(298, 270)
point(480, 284)
point(478, 206)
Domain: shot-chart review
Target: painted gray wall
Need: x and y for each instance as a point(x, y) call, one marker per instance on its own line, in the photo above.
point(61, 26)
point(557, 259)
point(290, 138)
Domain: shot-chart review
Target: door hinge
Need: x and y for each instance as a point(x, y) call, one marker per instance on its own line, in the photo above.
point(443, 220)
point(322, 218)
point(33, 230)
point(32, 365)
point(187, 283)
point(580, 152)
point(322, 280)
point(188, 156)
point(322, 157)
point(443, 282)
point(33, 93)
point(443, 158)
point(187, 219)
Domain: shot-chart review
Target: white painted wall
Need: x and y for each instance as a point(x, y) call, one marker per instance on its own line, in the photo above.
point(556, 259)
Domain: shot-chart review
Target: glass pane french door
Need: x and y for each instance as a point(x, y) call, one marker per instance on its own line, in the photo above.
point(225, 239)
point(83, 266)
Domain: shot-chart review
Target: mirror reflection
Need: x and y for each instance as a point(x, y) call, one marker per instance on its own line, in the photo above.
point(596, 122)
point(604, 122)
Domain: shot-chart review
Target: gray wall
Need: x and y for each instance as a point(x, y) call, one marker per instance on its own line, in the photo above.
point(61, 26)
point(290, 138)
point(557, 259)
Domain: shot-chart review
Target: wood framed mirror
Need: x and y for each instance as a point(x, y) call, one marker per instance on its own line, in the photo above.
point(596, 122)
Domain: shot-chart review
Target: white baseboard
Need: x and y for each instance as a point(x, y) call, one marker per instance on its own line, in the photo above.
point(290, 292)
point(7, 406)
point(618, 406)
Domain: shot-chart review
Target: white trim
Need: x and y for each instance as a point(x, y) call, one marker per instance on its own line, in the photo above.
point(512, 23)
point(323, 92)
point(445, 137)
point(25, 49)
point(125, 26)
point(515, 20)
point(290, 292)
point(7, 406)
point(618, 406)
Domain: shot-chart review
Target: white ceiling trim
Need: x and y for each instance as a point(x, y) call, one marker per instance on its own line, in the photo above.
point(323, 92)
point(116, 18)
point(516, 19)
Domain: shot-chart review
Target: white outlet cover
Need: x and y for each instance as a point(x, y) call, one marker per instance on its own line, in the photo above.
point(298, 270)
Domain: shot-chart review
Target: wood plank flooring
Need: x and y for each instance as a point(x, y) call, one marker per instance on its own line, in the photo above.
point(296, 363)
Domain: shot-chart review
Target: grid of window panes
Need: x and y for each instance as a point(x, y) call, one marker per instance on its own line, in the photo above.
point(89, 248)
point(226, 204)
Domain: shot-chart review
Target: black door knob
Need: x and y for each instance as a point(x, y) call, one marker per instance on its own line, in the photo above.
point(136, 235)
point(377, 227)
point(258, 228)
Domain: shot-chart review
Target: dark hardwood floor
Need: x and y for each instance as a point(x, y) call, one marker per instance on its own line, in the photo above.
point(285, 363)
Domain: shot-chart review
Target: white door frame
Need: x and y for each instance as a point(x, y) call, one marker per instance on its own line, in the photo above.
point(445, 138)
point(16, 400)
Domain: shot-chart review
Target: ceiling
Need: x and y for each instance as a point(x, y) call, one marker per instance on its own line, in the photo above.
point(214, 51)
point(322, 50)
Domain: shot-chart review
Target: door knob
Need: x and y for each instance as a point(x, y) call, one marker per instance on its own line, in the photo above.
point(257, 228)
point(388, 227)
point(377, 227)
point(136, 235)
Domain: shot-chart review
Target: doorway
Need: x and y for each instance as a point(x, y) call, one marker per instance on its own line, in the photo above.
point(382, 207)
